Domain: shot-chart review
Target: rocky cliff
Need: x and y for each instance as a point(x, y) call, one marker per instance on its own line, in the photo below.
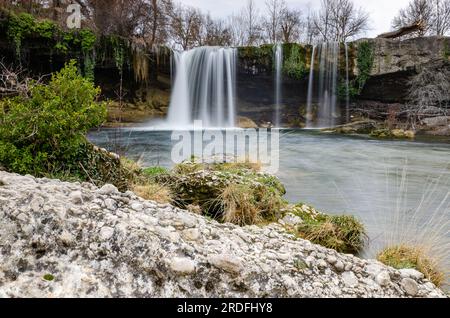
point(75, 240)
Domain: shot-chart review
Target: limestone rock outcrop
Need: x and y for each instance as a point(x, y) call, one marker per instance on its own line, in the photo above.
point(74, 240)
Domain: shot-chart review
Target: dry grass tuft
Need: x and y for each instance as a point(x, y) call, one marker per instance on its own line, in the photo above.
point(239, 206)
point(154, 192)
point(404, 256)
point(245, 204)
point(344, 234)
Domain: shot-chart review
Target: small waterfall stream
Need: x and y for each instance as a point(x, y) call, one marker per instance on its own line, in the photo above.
point(326, 92)
point(278, 58)
point(347, 86)
point(204, 87)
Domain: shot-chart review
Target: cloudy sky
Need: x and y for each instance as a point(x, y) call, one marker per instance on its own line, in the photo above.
point(381, 11)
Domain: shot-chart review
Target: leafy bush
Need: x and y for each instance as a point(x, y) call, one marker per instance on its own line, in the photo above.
point(295, 63)
point(45, 133)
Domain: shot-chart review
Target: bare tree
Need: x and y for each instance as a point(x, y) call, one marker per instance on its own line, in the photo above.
point(186, 23)
point(340, 20)
point(252, 23)
point(214, 32)
point(430, 90)
point(291, 23)
point(15, 82)
point(441, 17)
point(238, 30)
point(418, 12)
point(275, 9)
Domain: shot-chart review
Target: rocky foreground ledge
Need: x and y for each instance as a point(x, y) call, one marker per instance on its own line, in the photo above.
point(75, 240)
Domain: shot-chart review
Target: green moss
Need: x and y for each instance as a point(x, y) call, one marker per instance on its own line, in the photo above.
point(49, 277)
point(155, 171)
point(446, 49)
point(23, 27)
point(365, 60)
point(343, 233)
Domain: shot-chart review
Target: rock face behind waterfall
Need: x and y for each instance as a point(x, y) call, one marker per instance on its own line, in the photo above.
point(61, 239)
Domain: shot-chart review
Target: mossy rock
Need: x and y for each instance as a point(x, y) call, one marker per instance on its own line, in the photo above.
point(343, 233)
point(386, 133)
point(203, 185)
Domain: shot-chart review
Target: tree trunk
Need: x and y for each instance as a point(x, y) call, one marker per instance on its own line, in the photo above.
point(418, 26)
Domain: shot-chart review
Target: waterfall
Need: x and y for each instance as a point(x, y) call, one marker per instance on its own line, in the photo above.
point(204, 87)
point(347, 86)
point(326, 92)
point(278, 58)
point(309, 109)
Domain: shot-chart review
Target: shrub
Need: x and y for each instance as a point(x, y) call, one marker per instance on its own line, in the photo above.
point(403, 256)
point(45, 133)
point(295, 63)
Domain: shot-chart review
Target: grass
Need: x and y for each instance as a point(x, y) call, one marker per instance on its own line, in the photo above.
point(153, 192)
point(155, 171)
point(404, 256)
point(343, 233)
point(192, 166)
point(239, 205)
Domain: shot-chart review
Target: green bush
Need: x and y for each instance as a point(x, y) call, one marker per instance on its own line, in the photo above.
point(45, 132)
point(365, 58)
point(295, 62)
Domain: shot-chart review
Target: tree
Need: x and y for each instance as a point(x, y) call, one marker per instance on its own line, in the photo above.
point(237, 29)
point(252, 23)
point(441, 17)
point(430, 90)
point(186, 24)
point(340, 20)
point(432, 15)
point(214, 32)
point(417, 12)
point(291, 23)
point(275, 10)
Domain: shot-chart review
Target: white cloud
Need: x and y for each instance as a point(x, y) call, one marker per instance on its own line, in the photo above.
point(381, 12)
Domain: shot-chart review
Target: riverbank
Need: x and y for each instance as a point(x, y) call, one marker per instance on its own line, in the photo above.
point(102, 243)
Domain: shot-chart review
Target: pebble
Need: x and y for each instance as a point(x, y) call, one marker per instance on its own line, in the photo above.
point(183, 266)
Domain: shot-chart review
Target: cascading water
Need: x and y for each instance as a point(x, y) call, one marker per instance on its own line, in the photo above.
point(278, 58)
point(328, 54)
point(204, 87)
point(309, 109)
point(347, 86)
